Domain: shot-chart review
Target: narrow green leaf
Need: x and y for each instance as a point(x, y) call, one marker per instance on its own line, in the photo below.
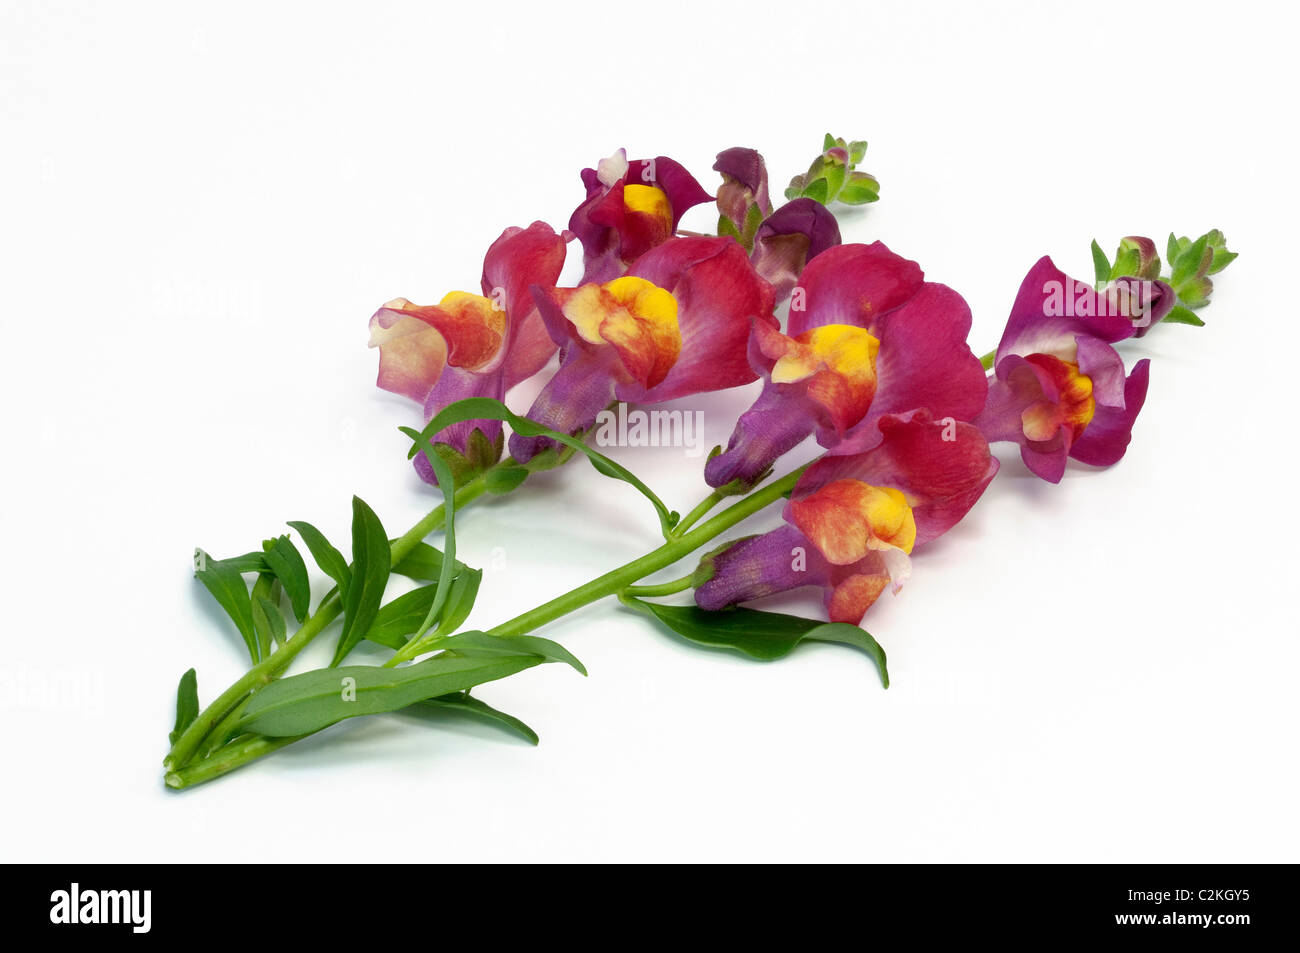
point(1100, 265)
point(485, 408)
point(464, 703)
point(398, 620)
point(262, 624)
point(231, 592)
point(187, 704)
point(304, 703)
point(460, 600)
point(447, 482)
point(287, 564)
point(268, 618)
point(856, 636)
point(371, 558)
point(329, 559)
point(476, 644)
point(423, 563)
point(760, 635)
point(249, 562)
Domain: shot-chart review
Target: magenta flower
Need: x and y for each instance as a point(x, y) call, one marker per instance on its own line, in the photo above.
point(1060, 388)
point(630, 208)
point(676, 324)
point(855, 518)
point(471, 345)
point(867, 336)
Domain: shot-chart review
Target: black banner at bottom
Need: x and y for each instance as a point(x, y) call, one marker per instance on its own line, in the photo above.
point(348, 903)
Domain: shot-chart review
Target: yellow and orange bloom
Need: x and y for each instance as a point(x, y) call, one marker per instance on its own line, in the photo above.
point(855, 518)
point(676, 324)
point(1059, 388)
point(472, 345)
point(867, 336)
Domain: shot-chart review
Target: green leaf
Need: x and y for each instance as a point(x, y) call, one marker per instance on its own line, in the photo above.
point(287, 564)
point(329, 559)
point(423, 563)
point(465, 703)
point(475, 644)
point(1183, 315)
point(304, 703)
point(1188, 262)
point(460, 600)
point(398, 620)
point(249, 562)
point(818, 190)
point(835, 176)
point(187, 705)
point(860, 189)
point(727, 228)
point(828, 142)
point(262, 625)
point(371, 558)
point(231, 592)
point(268, 619)
point(447, 482)
point(1221, 260)
point(504, 479)
point(1172, 248)
point(1100, 265)
point(480, 408)
point(760, 635)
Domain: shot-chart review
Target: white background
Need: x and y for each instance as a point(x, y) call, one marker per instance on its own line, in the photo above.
point(200, 207)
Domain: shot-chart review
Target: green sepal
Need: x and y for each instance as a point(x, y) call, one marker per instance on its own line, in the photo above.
point(1100, 265)
point(479, 457)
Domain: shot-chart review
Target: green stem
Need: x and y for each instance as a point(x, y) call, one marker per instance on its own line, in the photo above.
point(268, 669)
point(226, 760)
point(616, 581)
point(988, 359)
point(662, 589)
point(693, 517)
point(619, 579)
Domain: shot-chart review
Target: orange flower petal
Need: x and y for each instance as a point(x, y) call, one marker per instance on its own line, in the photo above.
point(635, 317)
point(848, 519)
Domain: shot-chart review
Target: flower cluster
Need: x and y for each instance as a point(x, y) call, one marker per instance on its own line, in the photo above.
point(852, 345)
point(852, 352)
